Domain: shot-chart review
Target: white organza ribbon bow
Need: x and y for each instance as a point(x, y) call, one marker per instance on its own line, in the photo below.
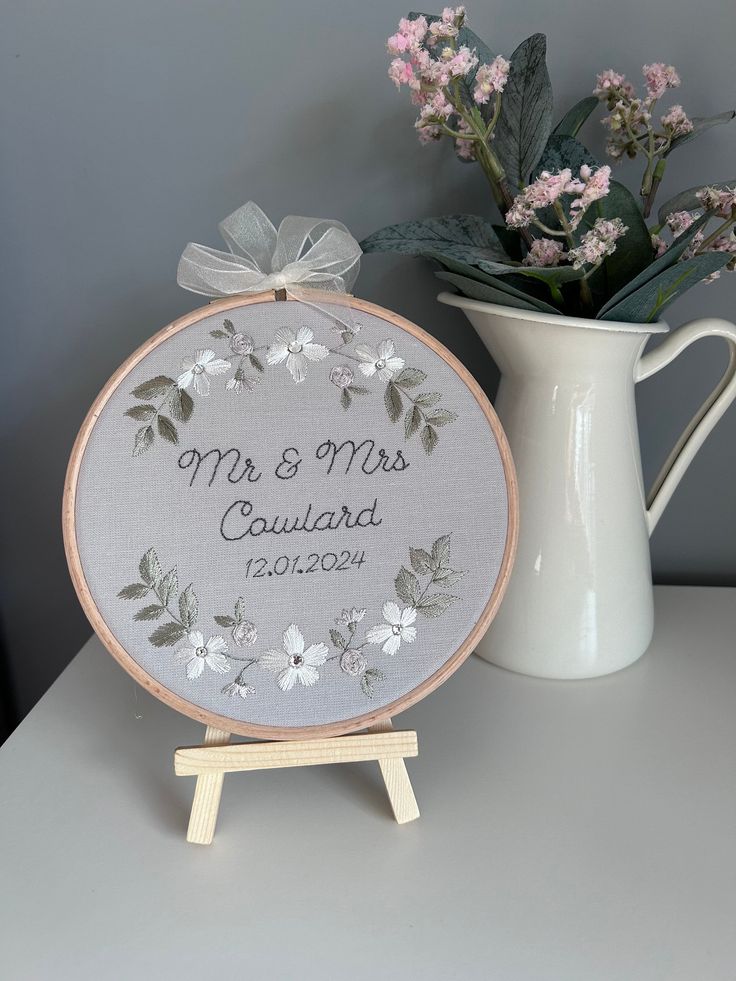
point(304, 252)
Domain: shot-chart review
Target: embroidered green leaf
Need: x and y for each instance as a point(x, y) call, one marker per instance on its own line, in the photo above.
point(150, 568)
point(154, 387)
point(345, 400)
point(441, 551)
point(169, 586)
point(225, 621)
point(347, 336)
point(426, 399)
point(429, 438)
point(167, 635)
point(255, 362)
point(434, 606)
point(447, 577)
point(152, 612)
point(143, 440)
point(338, 640)
point(421, 561)
point(358, 390)
point(407, 586)
point(441, 417)
point(412, 421)
point(240, 609)
point(188, 608)
point(181, 405)
point(141, 412)
point(410, 378)
point(218, 333)
point(394, 405)
point(167, 430)
point(369, 679)
point(228, 325)
point(136, 590)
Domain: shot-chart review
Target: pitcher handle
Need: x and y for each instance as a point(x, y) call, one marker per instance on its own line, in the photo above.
point(704, 419)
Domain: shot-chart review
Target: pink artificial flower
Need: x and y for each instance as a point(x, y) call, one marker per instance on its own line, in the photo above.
point(461, 63)
point(676, 122)
point(722, 202)
point(679, 222)
point(465, 149)
point(400, 72)
point(544, 252)
point(611, 85)
point(427, 134)
point(491, 79)
point(659, 78)
point(659, 245)
point(598, 243)
point(595, 185)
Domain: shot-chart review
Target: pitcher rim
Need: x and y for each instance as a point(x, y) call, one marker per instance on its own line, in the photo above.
point(516, 313)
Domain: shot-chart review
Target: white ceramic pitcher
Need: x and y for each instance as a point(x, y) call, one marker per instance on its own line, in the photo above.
point(579, 603)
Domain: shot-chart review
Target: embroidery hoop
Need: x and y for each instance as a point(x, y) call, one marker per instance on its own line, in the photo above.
point(227, 723)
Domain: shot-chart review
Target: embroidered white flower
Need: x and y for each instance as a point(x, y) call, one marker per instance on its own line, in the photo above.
point(240, 382)
point(245, 634)
point(198, 368)
point(197, 654)
point(353, 663)
point(295, 349)
point(350, 616)
point(293, 663)
point(396, 629)
point(238, 688)
point(242, 344)
point(381, 359)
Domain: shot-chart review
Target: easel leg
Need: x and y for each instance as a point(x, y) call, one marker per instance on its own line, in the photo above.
point(398, 785)
point(207, 792)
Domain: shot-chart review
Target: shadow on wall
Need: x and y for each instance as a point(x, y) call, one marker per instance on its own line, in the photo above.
point(9, 717)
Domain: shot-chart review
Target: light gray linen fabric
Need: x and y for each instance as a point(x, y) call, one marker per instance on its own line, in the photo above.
point(127, 505)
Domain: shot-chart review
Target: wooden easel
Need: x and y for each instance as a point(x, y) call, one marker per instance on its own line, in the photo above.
point(217, 756)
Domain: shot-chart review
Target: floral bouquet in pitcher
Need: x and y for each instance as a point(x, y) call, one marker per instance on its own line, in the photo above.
point(571, 240)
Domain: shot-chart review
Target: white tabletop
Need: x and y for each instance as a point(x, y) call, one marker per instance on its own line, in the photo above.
point(576, 831)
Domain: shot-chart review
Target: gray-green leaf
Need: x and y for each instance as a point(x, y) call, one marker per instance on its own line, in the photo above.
point(574, 118)
point(181, 405)
point(152, 612)
point(141, 412)
point(688, 200)
point(441, 417)
point(526, 111)
point(392, 399)
point(228, 325)
point(167, 430)
point(447, 577)
point(429, 438)
point(410, 378)
point(240, 609)
point(427, 398)
point(476, 290)
point(136, 590)
point(467, 237)
point(345, 399)
point(338, 640)
point(700, 125)
point(224, 621)
point(169, 586)
point(155, 386)
point(412, 421)
point(434, 606)
point(143, 440)
point(167, 634)
point(255, 362)
point(421, 561)
point(441, 551)
point(407, 587)
point(188, 608)
point(150, 568)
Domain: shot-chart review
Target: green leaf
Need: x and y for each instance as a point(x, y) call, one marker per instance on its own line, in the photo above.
point(143, 440)
point(136, 590)
point(188, 608)
point(338, 640)
point(240, 609)
point(475, 290)
point(141, 412)
point(574, 118)
point(225, 621)
point(435, 605)
point(392, 399)
point(167, 430)
point(429, 439)
point(700, 125)
point(345, 400)
point(562, 151)
point(447, 577)
point(412, 421)
point(688, 200)
point(663, 262)
point(152, 612)
point(521, 292)
point(556, 275)
point(169, 586)
point(510, 239)
point(466, 237)
point(167, 635)
point(407, 587)
point(525, 121)
point(441, 417)
point(228, 325)
point(255, 362)
point(156, 386)
point(150, 568)
point(410, 378)
point(218, 333)
point(368, 680)
point(441, 551)
point(647, 303)
point(358, 390)
point(421, 561)
point(181, 405)
point(425, 399)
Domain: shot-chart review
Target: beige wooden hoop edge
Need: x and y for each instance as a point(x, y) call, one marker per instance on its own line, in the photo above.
point(222, 722)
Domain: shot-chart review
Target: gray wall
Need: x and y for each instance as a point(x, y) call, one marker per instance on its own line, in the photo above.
point(132, 126)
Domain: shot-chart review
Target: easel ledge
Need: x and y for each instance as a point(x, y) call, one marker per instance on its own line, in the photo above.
point(217, 756)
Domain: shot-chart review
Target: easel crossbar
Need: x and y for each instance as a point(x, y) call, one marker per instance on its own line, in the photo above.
point(238, 757)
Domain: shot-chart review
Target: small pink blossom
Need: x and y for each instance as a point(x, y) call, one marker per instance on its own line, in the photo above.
point(598, 243)
point(659, 78)
point(465, 149)
point(400, 72)
point(679, 222)
point(544, 252)
point(659, 245)
point(409, 36)
point(594, 187)
point(610, 84)
point(491, 79)
point(722, 202)
point(676, 122)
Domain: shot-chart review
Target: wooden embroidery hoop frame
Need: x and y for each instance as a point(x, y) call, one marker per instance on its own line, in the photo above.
point(305, 745)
